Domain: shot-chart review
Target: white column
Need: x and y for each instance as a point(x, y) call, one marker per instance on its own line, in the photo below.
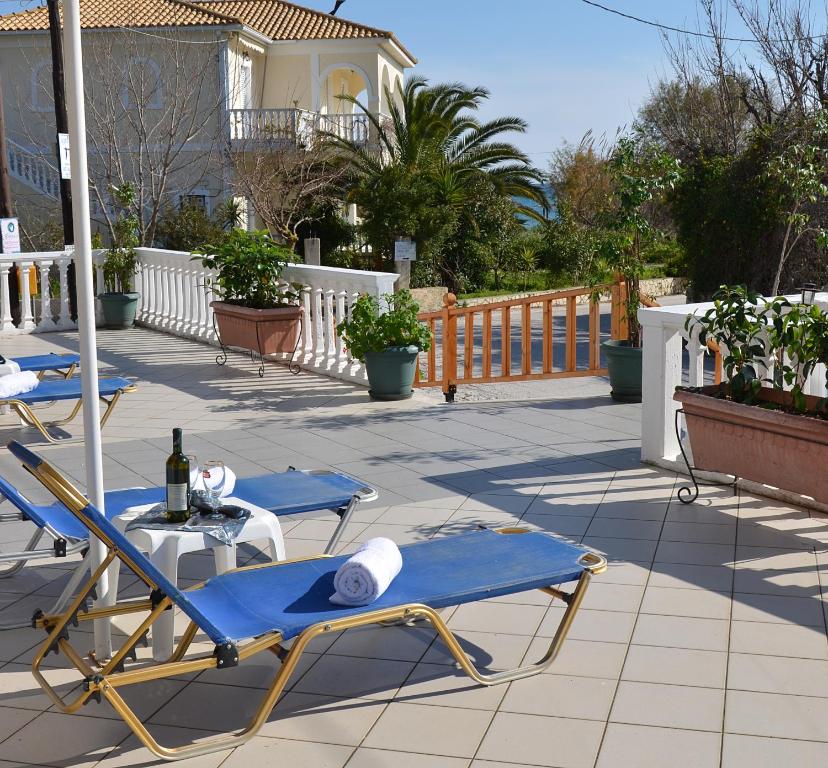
point(65, 320)
point(6, 323)
point(661, 376)
point(26, 317)
point(46, 322)
point(86, 298)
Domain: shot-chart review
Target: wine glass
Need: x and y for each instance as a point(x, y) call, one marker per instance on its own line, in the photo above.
point(213, 477)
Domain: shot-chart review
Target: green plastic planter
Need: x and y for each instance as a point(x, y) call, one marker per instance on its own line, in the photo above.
point(391, 373)
point(119, 309)
point(624, 366)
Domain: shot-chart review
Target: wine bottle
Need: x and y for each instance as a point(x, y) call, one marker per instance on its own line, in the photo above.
point(178, 482)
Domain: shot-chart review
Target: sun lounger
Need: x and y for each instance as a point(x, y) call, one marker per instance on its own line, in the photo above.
point(64, 364)
point(259, 608)
point(283, 493)
point(109, 392)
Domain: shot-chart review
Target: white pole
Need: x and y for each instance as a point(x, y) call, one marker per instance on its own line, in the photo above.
point(86, 296)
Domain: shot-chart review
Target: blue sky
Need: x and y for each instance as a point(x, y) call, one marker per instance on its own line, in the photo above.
point(563, 66)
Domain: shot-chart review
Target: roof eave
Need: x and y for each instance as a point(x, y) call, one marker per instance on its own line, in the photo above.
point(400, 52)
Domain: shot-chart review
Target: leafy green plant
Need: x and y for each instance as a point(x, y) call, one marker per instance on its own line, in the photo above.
point(119, 266)
point(755, 334)
point(249, 266)
point(639, 175)
point(368, 329)
point(738, 322)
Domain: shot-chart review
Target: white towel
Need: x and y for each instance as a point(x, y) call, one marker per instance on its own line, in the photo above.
point(17, 383)
point(10, 366)
point(363, 578)
point(222, 478)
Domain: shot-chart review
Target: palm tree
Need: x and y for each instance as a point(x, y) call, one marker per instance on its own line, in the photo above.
point(432, 134)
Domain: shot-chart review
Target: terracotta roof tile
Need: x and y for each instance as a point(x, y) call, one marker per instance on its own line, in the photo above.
point(275, 19)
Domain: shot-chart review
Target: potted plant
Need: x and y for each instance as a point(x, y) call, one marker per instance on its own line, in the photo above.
point(638, 176)
point(758, 424)
point(388, 342)
point(256, 310)
point(118, 302)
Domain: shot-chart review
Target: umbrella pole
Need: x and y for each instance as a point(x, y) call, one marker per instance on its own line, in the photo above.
point(86, 297)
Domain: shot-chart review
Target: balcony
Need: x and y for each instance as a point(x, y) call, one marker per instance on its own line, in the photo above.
point(294, 127)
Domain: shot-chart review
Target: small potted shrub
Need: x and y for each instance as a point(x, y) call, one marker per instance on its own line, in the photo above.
point(639, 176)
point(255, 310)
point(118, 301)
point(758, 424)
point(387, 342)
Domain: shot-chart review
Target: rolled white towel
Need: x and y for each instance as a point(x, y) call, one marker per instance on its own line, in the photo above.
point(8, 367)
point(222, 478)
point(363, 578)
point(17, 384)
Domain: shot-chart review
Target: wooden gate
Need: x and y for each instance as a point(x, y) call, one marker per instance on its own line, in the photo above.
point(536, 337)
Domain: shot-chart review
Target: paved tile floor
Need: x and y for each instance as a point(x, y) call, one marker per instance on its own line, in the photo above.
point(703, 645)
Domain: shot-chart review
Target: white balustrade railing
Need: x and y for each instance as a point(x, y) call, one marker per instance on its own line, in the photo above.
point(33, 170)
point(176, 295)
point(294, 126)
point(667, 366)
point(42, 304)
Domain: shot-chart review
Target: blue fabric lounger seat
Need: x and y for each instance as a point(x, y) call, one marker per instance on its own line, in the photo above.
point(283, 493)
point(109, 392)
point(258, 608)
point(65, 364)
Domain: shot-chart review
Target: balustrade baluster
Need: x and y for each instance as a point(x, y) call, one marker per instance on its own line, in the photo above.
point(330, 324)
point(64, 321)
point(6, 323)
point(306, 341)
point(695, 373)
point(547, 336)
point(340, 315)
point(318, 338)
point(46, 323)
point(26, 316)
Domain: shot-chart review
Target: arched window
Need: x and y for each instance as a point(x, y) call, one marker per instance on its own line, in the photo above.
point(42, 96)
point(142, 84)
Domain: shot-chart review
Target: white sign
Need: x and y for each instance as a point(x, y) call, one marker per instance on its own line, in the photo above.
point(63, 150)
point(11, 236)
point(405, 250)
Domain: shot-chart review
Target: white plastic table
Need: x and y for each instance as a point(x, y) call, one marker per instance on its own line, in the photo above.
point(166, 547)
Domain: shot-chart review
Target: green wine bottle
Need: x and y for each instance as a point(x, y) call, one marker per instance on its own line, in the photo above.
point(178, 482)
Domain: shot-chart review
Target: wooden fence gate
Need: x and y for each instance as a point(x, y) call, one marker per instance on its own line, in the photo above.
point(536, 337)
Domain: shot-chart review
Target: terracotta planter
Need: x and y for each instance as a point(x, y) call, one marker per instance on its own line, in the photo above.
point(774, 448)
point(266, 331)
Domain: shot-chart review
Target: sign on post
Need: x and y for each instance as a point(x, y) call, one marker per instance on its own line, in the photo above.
point(405, 249)
point(10, 232)
point(63, 151)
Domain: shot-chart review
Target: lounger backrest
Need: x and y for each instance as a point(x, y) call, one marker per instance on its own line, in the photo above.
point(98, 525)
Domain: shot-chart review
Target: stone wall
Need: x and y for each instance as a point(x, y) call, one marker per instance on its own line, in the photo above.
point(429, 299)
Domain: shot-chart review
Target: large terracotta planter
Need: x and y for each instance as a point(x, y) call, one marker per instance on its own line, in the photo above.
point(775, 448)
point(266, 331)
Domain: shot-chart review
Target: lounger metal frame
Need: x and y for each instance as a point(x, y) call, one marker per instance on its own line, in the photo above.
point(105, 679)
point(29, 418)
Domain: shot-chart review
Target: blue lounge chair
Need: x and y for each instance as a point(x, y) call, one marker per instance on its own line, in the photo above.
point(109, 392)
point(283, 493)
point(259, 608)
point(64, 364)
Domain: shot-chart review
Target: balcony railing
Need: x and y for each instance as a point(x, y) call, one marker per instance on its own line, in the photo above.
point(673, 357)
point(176, 295)
point(43, 305)
point(298, 127)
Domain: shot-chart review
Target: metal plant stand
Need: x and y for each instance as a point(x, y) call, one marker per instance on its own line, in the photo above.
point(221, 358)
point(685, 493)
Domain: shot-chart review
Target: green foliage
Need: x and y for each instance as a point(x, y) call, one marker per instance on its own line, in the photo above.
point(186, 228)
point(429, 178)
point(639, 175)
point(119, 266)
point(326, 222)
point(370, 330)
point(755, 334)
point(249, 266)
